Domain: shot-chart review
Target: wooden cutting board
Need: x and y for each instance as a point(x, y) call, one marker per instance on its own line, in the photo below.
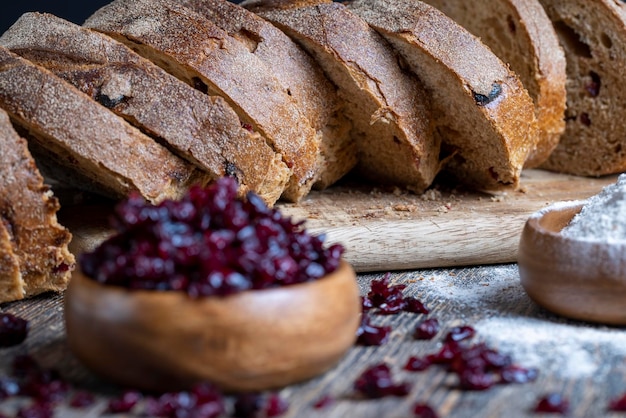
point(392, 230)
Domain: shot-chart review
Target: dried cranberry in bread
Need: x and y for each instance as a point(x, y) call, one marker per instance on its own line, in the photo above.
point(386, 104)
point(87, 137)
point(520, 33)
point(593, 34)
point(34, 256)
point(484, 114)
point(200, 128)
point(301, 76)
point(192, 48)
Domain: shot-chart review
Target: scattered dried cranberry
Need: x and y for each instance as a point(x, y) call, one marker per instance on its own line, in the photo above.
point(386, 297)
point(324, 402)
point(414, 305)
point(517, 374)
point(552, 403)
point(422, 410)
point(369, 334)
point(125, 402)
point(376, 382)
point(13, 330)
point(209, 243)
point(275, 406)
point(427, 329)
point(618, 404)
point(417, 364)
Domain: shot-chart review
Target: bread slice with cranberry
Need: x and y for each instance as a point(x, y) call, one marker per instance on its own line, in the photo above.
point(88, 139)
point(520, 33)
point(593, 34)
point(34, 254)
point(199, 128)
point(484, 114)
point(195, 50)
point(385, 103)
point(300, 74)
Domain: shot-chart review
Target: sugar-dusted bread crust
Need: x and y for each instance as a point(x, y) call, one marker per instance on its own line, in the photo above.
point(31, 239)
point(301, 76)
point(593, 34)
point(520, 33)
point(386, 105)
point(86, 136)
point(200, 128)
point(481, 109)
point(192, 48)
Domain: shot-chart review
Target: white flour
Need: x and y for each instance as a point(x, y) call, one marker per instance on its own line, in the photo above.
point(603, 216)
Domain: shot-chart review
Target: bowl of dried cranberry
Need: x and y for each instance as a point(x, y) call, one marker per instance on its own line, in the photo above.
point(211, 288)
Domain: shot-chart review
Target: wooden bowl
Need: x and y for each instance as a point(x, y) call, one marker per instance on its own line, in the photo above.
point(251, 341)
point(580, 279)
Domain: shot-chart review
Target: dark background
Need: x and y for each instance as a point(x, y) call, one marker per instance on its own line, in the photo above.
point(73, 10)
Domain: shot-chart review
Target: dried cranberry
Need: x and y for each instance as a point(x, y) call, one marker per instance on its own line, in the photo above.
point(125, 402)
point(417, 364)
point(210, 242)
point(476, 379)
point(377, 382)
point(446, 354)
point(422, 410)
point(414, 305)
point(324, 402)
point(427, 329)
point(370, 335)
point(275, 406)
point(386, 297)
point(618, 404)
point(552, 403)
point(13, 330)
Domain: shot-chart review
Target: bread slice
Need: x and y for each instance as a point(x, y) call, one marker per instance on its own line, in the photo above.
point(520, 33)
point(195, 50)
point(481, 109)
point(87, 137)
point(34, 256)
point(386, 105)
point(200, 128)
point(299, 73)
point(593, 34)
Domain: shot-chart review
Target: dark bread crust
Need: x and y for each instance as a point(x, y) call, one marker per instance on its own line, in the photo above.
point(299, 73)
point(482, 111)
point(202, 129)
point(520, 33)
point(386, 105)
point(88, 137)
point(193, 49)
point(593, 34)
point(30, 235)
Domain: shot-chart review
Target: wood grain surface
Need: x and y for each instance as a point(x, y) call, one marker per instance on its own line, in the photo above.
point(387, 230)
point(589, 372)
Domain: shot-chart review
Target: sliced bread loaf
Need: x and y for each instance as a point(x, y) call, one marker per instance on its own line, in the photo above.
point(386, 104)
point(87, 137)
point(481, 109)
point(593, 34)
point(198, 127)
point(195, 50)
point(299, 73)
point(520, 33)
point(34, 256)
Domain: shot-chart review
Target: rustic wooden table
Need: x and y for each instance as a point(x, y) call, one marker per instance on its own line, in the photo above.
point(584, 362)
